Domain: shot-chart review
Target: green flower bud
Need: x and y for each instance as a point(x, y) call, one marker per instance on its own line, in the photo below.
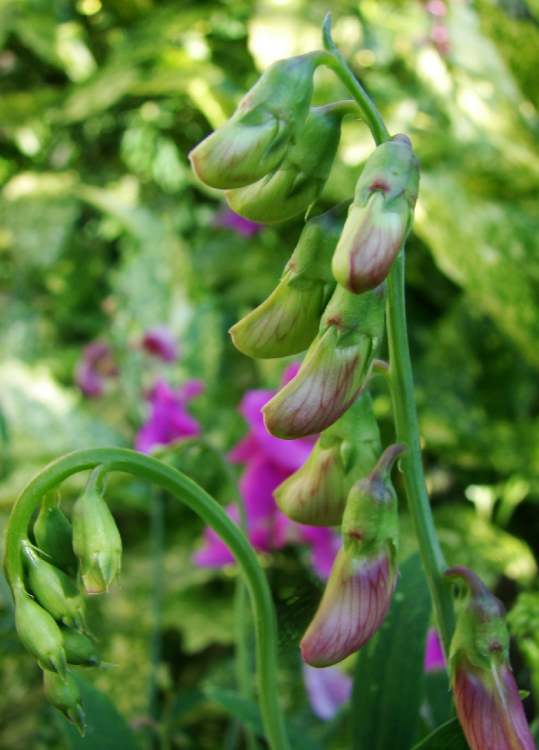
point(65, 696)
point(255, 139)
point(80, 649)
point(334, 369)
point(316, 493)
point(298, 180)
point(54, 590)
point(287, 321)
point(96, 540)
point(53, 534)
point(39, 633)
point(379, 218)
point(359, 590)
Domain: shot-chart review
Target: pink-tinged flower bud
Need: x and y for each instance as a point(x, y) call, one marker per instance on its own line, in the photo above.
point(334, 369)
point(64, 695)
point(359, 590)
point(379, 218)
point(316, 493)
point(39, 633)
point(486, 695)
point(287, 321)
point(54, 590)
point(299, 179)
point(96, 540)
point(255, 139)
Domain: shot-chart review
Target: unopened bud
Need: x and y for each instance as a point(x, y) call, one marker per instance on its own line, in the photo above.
point(287, 321)
point(379, 218)
point(316, 493)
point(255, 139)
point(96, 540)
point(359, 590)
point(486, 695)
point(53, 534)
point(299, 179)
point(334, 369)
point(64, 695)
point(39, 633)
point(54, 590)
point(80, 649)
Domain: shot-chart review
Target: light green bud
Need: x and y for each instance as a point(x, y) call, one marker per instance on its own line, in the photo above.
point(65, 696)
point(53, 534)
point(39, 633)
point(80, 649)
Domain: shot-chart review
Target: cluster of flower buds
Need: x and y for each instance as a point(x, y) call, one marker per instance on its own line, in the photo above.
point(272, 159)
point(49, 604)
point(486, 695)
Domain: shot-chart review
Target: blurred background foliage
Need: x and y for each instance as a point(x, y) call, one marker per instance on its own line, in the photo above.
point(104, 232)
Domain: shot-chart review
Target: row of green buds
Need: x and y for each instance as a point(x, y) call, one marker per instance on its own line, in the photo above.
point(486, 695)
point(288, 320)
point(50, 615)
point(344, 453)
point(359, 590)
point(379, 217)
point(335, 367)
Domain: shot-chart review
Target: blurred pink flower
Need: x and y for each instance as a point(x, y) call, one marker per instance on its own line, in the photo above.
point(228, 219)
point(268, 462)
point(94, 368)
point(160, 342)
point(328, 690)
point(434, 653)
point(169, 420)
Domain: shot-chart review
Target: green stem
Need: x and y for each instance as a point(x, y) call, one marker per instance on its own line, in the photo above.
point(184, 489)
point(157, 534)
point(401, 380)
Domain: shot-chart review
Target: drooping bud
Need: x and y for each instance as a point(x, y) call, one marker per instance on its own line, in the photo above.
point(80, 649)
point(334, 369)
point(287, 321)
point(299, 179)
point(255, 139)
point(53, 534)
point(39, 633)
point(379, 218)
point(96, 539)
point(54, 590)
point(358, 593)
point(316, 493)
point(65, 696)
point(486, 695)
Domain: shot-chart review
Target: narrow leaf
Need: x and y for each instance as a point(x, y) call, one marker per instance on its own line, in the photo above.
point(448, 736)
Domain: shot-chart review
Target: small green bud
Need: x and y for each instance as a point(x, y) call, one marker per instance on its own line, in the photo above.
point(96, 540)
point(379, 218)
point(287, 321)
point(316, 493)
point(80, 649)
point(54, 590)
point(334, 369)
point(39, 633)
point(298, 180)
point(255, 139)
point(53, 534)
point(64, 695)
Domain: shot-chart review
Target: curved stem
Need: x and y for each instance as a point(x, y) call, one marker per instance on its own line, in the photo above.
point(187, 491)
point(402, 382)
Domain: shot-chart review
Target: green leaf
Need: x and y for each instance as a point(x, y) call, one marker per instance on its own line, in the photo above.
point(449, 736)
point(106, 729)
point(389, 680)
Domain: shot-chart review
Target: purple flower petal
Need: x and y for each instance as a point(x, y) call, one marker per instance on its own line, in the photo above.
point(160, 342)
point(229, 219)
point(168, 421)
point(328, 690)
point(434, 653)
point(94, 368)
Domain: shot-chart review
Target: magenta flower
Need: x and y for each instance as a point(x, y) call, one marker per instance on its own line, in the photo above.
point(268, 462)
point(160, 342)
point(328, 690)
point(434, 653)
point(94, 368)
point(169, 420)
point(229, 219)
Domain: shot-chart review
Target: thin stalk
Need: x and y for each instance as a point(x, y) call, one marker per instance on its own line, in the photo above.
point(157, 534)
point(401, 379)
point(184, 489)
